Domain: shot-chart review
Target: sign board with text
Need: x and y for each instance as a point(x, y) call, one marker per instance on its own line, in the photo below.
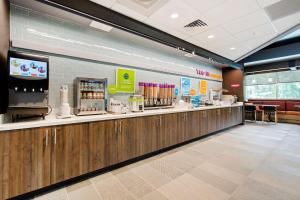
point(203, 87)
point(125, 80)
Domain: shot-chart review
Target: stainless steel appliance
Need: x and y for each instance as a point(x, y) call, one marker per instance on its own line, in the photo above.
point(90, 96)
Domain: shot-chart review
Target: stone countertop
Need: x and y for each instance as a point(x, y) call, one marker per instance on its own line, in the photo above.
point(53, 121)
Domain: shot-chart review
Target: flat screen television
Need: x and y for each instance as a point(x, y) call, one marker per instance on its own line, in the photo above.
point(28, 72)
point(27, 68)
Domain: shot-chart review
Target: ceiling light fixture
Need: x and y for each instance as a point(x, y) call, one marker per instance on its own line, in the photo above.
point(174, 15)
point(210, 36)
point(100, 26)
point(232, 48)
point(193, 52)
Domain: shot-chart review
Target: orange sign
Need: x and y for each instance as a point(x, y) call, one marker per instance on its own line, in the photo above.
point(203, 87)
point(192, 92)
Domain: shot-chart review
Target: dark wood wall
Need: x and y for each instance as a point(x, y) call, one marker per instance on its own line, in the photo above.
point(233, 81)
point(4, 46)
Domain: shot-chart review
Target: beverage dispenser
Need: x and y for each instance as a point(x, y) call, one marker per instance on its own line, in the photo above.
point(28, 84)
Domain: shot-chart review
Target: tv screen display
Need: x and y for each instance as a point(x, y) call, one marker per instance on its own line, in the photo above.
point(28, 69)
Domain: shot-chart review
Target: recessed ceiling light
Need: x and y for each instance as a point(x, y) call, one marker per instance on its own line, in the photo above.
point(232, 48)
point(210, 36)
point(174, 15)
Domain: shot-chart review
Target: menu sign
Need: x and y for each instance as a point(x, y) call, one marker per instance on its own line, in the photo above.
point(203, 87)
point(185, 86)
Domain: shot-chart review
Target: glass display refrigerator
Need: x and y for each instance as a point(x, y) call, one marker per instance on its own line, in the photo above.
point(90, 96)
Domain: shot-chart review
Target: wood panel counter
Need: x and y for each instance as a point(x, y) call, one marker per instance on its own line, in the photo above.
point(34, 155)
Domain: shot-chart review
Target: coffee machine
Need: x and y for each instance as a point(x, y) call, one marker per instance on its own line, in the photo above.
point(28, 84)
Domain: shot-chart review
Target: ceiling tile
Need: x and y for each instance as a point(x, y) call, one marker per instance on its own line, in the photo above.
point(143, 7)
point(257, 31)
point(265, 3)
point(106, 3)
point(247, 22)
point(229, 10)
point(128, 12)
point(239, 51)
point(186, 14)
point(258, 41)
point(221, 37)
point(203, 5)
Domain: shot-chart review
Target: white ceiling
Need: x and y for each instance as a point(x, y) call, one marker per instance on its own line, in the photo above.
point(238, 26)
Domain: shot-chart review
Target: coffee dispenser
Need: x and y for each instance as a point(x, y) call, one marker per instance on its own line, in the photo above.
point(28, 84)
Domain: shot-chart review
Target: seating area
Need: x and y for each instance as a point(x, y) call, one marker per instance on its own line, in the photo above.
point(288, 111)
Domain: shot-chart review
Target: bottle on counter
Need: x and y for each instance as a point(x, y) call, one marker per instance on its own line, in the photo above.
point(150, 94)
point(146, 94)
point(173, 92)
point(155, 93)
point(142, 88)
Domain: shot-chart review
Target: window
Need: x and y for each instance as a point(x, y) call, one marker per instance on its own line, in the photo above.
point(275, 85)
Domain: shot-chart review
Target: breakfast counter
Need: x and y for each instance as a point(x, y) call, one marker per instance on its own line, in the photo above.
point(53, 121)
point(38, 154)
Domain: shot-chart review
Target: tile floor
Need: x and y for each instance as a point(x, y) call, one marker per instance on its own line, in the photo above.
point(255, 161)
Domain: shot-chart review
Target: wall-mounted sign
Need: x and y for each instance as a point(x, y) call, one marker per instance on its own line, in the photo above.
point(185, 86)
point(125, 80)
point(192, 92)
point(112, 89)
point(207, 74)
point(236, 85)
point(176, 91)
point(203, 87)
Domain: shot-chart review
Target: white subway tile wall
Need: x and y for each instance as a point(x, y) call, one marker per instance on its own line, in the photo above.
point(40, 29)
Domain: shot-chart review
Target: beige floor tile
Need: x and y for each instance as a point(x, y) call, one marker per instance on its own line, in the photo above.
point(215, 181)
point(166, 169)
point(155, 195)
point(180, 161)
point(110, 188)
point(83, 190)
point(195, 157)
point(254, 190)
point(224, 173)
point(134, 184)
point(188, 187)
point(211, 147)
point(279, 177)
point(236, 165)
point(151, 176)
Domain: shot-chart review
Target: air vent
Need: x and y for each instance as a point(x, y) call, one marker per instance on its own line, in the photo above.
point(196, 23)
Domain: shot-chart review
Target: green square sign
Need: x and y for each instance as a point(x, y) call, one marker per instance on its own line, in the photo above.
point(125, 80)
